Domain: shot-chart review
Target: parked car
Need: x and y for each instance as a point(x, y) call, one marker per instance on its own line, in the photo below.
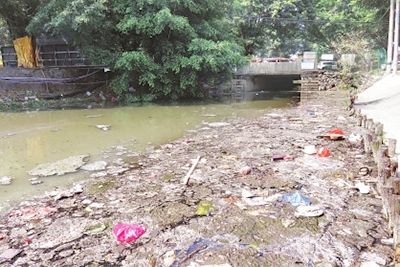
point(277, 59)
point(327, 65)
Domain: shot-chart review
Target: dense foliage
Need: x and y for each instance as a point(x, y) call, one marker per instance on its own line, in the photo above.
point(272, 27)
point(17, 14)
point(174, 49)
point(167, 49)
point(4, 34)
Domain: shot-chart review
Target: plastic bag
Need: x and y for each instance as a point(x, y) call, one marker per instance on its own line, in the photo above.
point(296, 199)
point(127, 233)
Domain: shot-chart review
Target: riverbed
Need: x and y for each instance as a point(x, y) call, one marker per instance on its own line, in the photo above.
point(32, 138)
point(234, 209)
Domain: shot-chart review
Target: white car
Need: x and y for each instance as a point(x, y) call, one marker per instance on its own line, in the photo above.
point(327, 65)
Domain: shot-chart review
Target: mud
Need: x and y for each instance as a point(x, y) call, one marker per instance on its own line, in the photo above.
point(246, 222)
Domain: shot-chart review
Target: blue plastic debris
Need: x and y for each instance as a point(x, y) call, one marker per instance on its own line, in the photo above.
point(296, 199)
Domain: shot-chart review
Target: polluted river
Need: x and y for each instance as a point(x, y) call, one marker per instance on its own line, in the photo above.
point(32, 138)
point(194, 186)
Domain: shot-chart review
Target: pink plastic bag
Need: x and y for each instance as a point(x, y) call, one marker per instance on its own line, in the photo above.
point(127, 233)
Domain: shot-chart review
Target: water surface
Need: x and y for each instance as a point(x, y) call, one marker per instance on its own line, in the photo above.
point(29, 139)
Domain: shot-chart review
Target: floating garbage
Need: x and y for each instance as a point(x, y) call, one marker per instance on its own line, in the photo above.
point(323, 152)
point(104, 127)
point(204, 207)
point(355, 138)
point(96, 228)
point(284, 157)
point(363, 188)
point(245, 170)
point(296, 199)
point(335, 134)
point(169, 258)
point(308, 211)
point(127, 233)
point(71, 164)
point(10, 254)
point(310, 150)
point(336, 131)
point(364, 171)
point(30, 213)
point(6, 180)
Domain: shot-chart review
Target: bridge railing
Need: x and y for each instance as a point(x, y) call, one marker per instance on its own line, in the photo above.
point(270, 68)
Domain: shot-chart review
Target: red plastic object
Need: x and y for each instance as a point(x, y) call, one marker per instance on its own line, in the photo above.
point(336, 131)
point(323, 152)
point(127, 233)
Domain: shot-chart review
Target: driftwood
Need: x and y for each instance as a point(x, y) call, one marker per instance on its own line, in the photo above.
point(186, 179)
point(192, 253)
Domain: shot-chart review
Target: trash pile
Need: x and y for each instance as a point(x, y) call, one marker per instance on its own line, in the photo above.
point(291, 188)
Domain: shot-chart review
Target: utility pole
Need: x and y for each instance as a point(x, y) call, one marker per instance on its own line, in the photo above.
point(396, 38)
point(390, 39)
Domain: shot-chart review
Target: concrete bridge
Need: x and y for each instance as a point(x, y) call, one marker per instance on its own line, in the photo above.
point(271, 68)
point(261, 80)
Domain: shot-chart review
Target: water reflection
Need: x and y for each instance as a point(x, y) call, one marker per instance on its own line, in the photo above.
point(29, 139)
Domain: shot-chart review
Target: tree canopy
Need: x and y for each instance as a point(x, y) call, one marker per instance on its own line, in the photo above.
point(172, 49)
point(164, 49)
point(274, 27)
point(17, 14)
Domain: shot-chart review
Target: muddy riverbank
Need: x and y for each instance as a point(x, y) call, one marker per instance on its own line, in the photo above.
point(232, 212)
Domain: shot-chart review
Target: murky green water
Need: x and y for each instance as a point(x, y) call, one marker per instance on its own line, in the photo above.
point(29, 139)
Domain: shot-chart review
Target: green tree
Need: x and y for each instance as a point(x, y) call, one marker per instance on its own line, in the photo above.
point(284, 27)
point(166, 49)
point(268, 27)
point(4, 34)
point(17, 14)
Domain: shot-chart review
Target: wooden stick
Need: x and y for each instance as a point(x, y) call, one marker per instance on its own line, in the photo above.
point(369, 124)
point(394, 201)
point(386, 192)
point(192, 253)
point(396, 212)
point(186, 179)
point(379, 129)
point(382, 155)
point(359, 120)
point(364, 121)
point(394, 165)
point(392, 147)
point(396, 186)
point(367, 144)
point(375, 150)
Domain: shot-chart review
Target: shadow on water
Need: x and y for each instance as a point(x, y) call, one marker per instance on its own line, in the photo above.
point(32, 138)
